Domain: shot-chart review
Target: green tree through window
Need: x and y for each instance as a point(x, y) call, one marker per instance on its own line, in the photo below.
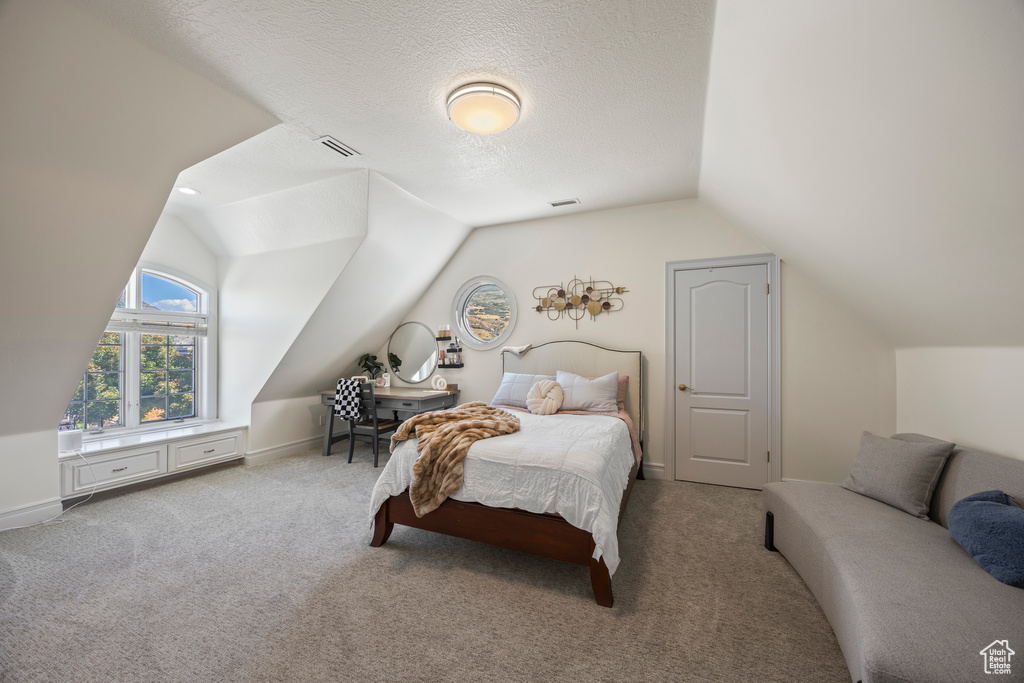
point(167, 372)
point(97, 401)
point(147, 366)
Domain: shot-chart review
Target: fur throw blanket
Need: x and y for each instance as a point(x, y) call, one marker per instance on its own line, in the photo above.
point(443, 438)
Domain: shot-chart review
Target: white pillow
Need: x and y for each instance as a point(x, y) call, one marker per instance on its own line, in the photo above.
point(598, 395)
point(514, 388)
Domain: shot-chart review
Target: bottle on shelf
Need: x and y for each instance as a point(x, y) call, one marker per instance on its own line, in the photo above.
point(453, 354)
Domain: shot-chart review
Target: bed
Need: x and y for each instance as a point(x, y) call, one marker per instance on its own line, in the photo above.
point(544, 533)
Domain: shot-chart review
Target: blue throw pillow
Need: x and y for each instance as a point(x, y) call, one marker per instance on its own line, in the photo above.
point(990, 527)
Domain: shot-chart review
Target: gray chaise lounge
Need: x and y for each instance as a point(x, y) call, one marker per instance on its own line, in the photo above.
point(905, 601)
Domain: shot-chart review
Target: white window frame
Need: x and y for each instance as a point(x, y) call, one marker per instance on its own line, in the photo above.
point(205, 382)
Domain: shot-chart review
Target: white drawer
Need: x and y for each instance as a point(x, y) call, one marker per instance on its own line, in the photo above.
point(112, 469)
point(198, 453)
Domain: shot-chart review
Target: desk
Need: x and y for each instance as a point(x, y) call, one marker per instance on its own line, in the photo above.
point(404, 400)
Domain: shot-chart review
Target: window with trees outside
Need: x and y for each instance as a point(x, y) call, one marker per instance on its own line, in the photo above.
point(147, 366)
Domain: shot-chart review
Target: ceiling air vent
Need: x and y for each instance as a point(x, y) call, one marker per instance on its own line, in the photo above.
point(564, 202)
point(339, 147)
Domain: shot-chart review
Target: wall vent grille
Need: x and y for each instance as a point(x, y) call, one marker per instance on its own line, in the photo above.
point(339, 147)
point(564, 202)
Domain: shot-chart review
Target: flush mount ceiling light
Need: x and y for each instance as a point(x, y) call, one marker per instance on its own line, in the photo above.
point(187, 190)
point(483, 108)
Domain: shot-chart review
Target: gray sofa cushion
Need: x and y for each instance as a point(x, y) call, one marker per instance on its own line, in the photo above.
point(967, 472)
point(898, 472)
point(905, 601)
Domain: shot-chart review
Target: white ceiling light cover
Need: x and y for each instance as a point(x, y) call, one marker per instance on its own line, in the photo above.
point(484, 108)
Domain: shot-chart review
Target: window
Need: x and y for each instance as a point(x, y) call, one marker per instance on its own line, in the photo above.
point(150, 366)
point(485, 312)
point(97, 401)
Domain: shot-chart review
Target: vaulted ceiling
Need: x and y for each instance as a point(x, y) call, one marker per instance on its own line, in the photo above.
point(612, 95)
point(875, 145)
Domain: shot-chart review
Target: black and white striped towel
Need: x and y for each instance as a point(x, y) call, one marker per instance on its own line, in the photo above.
point(346, 399)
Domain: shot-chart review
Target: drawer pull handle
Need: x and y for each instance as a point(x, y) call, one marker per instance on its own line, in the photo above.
point(406, 404)
point(120, 469)
point(210, 451)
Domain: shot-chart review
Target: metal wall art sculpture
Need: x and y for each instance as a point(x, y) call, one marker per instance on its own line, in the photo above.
point(578, 298)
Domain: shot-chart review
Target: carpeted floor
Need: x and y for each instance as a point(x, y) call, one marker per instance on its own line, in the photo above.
point(264, 573)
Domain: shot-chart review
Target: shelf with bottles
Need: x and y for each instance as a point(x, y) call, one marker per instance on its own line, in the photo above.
point(451, 357)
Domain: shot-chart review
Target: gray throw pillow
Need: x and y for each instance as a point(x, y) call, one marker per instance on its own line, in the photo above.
point(902, 474)
point(514, 389)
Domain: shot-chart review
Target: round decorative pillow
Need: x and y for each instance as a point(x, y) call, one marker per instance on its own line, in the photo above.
point(545, 397)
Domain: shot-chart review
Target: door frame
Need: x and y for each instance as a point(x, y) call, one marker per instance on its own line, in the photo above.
point(774, 355)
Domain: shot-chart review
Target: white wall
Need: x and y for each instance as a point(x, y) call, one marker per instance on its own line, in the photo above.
point(407, 243)
point(174, 246)
point(877, 146)
point(286, 426)
point(268, 294)
point(823, 346)
point(971, 396)
point(94, 128)
point(302, 215)
point(266, 299)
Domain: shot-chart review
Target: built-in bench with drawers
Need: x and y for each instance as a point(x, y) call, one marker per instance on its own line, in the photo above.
point(118, 461)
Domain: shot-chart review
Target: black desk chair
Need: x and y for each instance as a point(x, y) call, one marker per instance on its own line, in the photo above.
point(369, 426)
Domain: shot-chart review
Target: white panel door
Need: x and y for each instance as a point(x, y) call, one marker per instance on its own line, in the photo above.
point(722, 365)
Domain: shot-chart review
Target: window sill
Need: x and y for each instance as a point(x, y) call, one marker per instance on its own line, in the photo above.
point(101, 443)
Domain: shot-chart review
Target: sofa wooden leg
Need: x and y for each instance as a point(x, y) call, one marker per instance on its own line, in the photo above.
point(769, 532)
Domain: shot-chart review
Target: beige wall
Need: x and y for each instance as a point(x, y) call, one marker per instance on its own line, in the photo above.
point(824, 349)
point(971, 396)
point(838, 379)
point(876, 146)
point(94, 129)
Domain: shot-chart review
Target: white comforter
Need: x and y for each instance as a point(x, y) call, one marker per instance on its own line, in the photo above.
point(574, 465)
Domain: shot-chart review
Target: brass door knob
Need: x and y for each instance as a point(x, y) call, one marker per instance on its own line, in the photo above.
point(683, 387)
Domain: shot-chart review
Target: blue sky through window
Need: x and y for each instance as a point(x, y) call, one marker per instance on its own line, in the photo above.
point(165, 295)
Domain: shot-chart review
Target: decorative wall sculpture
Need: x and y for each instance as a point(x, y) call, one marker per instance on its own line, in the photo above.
point(578, 299)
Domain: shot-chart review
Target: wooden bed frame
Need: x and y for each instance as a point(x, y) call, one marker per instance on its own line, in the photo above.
point(547, 535)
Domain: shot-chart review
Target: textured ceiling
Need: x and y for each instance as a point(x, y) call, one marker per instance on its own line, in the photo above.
point(613, 95)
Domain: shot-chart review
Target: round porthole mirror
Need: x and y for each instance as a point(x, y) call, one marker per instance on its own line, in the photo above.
point(484, 311)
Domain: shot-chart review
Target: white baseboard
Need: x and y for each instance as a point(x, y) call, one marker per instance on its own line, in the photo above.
point(654, 470)
point(30, 514)
point(282, 451)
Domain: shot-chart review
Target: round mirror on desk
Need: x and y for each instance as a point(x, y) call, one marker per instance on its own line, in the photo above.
point(412, 352)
